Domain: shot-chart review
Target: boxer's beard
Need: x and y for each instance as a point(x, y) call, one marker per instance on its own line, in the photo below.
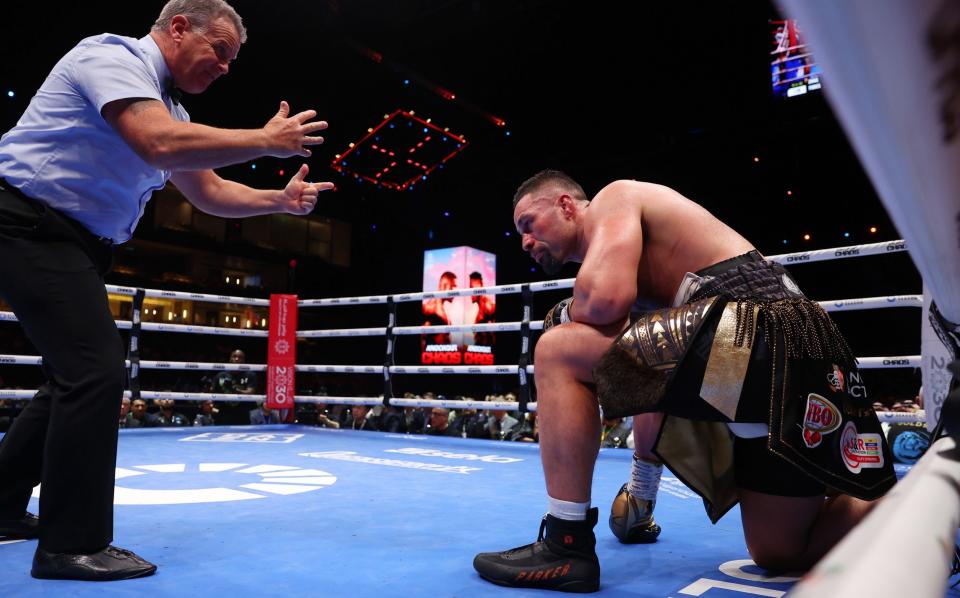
point(550, 264)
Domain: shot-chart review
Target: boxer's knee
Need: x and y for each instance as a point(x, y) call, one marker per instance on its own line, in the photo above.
point(553, 347)
point(777, 558)
point(571, 342)
point(571, 350)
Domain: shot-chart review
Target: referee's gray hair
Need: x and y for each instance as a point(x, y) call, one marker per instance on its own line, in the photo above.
point(200, 13)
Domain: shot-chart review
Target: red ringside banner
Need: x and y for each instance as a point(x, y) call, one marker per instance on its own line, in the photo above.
point(282, 352)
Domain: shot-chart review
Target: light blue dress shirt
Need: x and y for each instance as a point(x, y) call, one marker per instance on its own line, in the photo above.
point(63, 153)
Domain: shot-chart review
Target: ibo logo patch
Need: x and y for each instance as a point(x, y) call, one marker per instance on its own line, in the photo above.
point(820, 418)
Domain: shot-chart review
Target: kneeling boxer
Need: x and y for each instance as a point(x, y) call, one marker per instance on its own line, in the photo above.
point(748, 391)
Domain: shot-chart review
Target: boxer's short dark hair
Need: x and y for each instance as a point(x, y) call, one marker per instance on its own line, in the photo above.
point(545, 177)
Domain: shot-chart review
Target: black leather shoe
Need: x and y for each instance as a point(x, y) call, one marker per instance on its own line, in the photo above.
point(110, 564)
point(24, 528)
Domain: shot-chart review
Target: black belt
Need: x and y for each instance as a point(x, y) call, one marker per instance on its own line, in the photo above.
point(6, 186)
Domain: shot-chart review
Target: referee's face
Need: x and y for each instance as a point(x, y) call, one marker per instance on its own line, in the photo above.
point(206, 55)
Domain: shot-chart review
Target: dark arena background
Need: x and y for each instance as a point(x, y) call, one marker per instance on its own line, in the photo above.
point(696, 96)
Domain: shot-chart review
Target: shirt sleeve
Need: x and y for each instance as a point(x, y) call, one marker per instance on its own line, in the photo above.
point(107, 72)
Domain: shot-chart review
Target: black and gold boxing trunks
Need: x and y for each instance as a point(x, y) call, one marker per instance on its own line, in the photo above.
point(745, 349)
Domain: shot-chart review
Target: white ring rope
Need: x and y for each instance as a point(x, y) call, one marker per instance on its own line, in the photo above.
point(417, 402)
point(342, 332)
point(202, 366)
point(865, 363)
point(199, 396)
point(505, 405)
point(491, 327)
point(457, 369)
point(192, 329)
point(161, 294)
point(341, 369)
point(872, 303)
point(8, 316)
point(507, 289)
point(894, 417)
point(22, 360)
point(823, 255)
point(9, 393)
point(880, 363)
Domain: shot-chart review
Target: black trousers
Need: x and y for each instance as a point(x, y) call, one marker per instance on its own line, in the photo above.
point(51, 274)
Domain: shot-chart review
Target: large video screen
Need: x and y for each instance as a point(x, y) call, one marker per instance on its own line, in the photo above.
point(794, 72)
point(457, 268)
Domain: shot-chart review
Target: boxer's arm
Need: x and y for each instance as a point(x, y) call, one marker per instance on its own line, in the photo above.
point(606, 286)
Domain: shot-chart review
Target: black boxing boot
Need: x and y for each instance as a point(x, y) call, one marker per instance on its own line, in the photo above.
point(564, 558)
point(631, 519)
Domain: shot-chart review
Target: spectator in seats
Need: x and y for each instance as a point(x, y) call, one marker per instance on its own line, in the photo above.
point(138, 416)
point(414, 418)
point(470, 423)
point(391, 420)
point(905, 406)
point(359, 420)
point(264, 415)
point(205, 417)
point(879, 407)
point(167, 417)
point(613, 433)
point(339, 413)
point(909, 405)
point(241, 383)
point(500, 424)
point(124, 411)
point(325, 417)
point(527, 431)
point(440, 423)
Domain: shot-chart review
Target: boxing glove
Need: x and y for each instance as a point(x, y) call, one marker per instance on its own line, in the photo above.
point(558, 314)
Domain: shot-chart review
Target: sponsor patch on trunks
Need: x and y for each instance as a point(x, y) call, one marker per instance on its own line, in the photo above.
point(860, 450)
point(820, 418)
point(835, 379)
